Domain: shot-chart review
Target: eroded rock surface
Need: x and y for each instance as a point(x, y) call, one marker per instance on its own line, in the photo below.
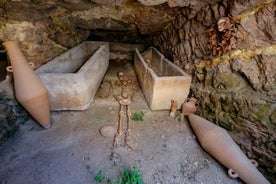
point(47, 28)
point(233, 69)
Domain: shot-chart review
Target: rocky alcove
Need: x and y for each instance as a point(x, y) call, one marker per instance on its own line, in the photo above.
point(227, 47)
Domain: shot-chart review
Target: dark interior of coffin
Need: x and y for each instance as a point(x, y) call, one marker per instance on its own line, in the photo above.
point(159, 64)
point(71, 61)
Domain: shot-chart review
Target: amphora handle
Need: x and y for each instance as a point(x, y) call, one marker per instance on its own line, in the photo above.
point(9, 68)
point(193, 100)
point(233, 174)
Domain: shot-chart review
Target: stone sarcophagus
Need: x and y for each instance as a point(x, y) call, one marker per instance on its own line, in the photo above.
point(73, 78)
point(160, 79)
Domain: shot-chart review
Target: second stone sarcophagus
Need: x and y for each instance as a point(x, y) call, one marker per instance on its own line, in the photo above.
point(160, 79)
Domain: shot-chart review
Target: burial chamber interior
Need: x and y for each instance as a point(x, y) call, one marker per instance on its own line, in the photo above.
point(184, 40)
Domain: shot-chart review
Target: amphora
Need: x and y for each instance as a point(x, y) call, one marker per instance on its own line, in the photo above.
point(218, 143)
point(189, 106)
point(30, 92)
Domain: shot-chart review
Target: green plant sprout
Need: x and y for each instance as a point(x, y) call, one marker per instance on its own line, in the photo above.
point(99, 177)
point(138, 116)
point(132, 176)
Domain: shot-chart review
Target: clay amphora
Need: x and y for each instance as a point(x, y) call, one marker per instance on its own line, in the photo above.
point(218, 143)
point(189, 106)
point(29, 90)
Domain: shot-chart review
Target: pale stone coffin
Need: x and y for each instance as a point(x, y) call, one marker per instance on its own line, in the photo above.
point(161, 80)
point(74, 77)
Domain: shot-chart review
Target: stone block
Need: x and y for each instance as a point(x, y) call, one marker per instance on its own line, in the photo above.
point(73, 78)
point(160, 79)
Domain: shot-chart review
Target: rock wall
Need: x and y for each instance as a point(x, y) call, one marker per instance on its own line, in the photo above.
point(40, 28)
point(229, 48)
point(46, 29)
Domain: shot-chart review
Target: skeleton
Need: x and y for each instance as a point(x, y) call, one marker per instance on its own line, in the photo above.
point(124, 101)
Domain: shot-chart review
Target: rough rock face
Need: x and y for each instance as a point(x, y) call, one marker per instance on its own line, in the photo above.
point(196, 4)
point(230, 50)
point(47, 28)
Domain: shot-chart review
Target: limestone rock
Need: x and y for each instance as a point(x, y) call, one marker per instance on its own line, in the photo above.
point(109, 2)
point(262, 24)
point(72, 1)
point(237, 7)
point(251, 71)
point(152, 2)
point(178, 3)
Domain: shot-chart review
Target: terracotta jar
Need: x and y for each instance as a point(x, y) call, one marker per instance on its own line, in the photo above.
point(189, 106)
point(218, 143)
point(30, 92)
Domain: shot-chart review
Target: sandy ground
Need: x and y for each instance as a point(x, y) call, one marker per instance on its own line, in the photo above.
point(73, 151)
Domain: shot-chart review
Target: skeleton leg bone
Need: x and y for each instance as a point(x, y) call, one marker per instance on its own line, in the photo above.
point(128, 140)
point(120, 128)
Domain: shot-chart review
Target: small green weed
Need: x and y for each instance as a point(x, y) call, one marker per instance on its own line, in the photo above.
point(132, 176)
point(129, 177)
point(99, 177)
point(138, 116)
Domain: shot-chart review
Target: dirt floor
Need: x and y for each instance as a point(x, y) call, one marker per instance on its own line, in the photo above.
point(73, 150)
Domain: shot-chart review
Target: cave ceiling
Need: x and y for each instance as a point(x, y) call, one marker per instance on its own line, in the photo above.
point(136, 17)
